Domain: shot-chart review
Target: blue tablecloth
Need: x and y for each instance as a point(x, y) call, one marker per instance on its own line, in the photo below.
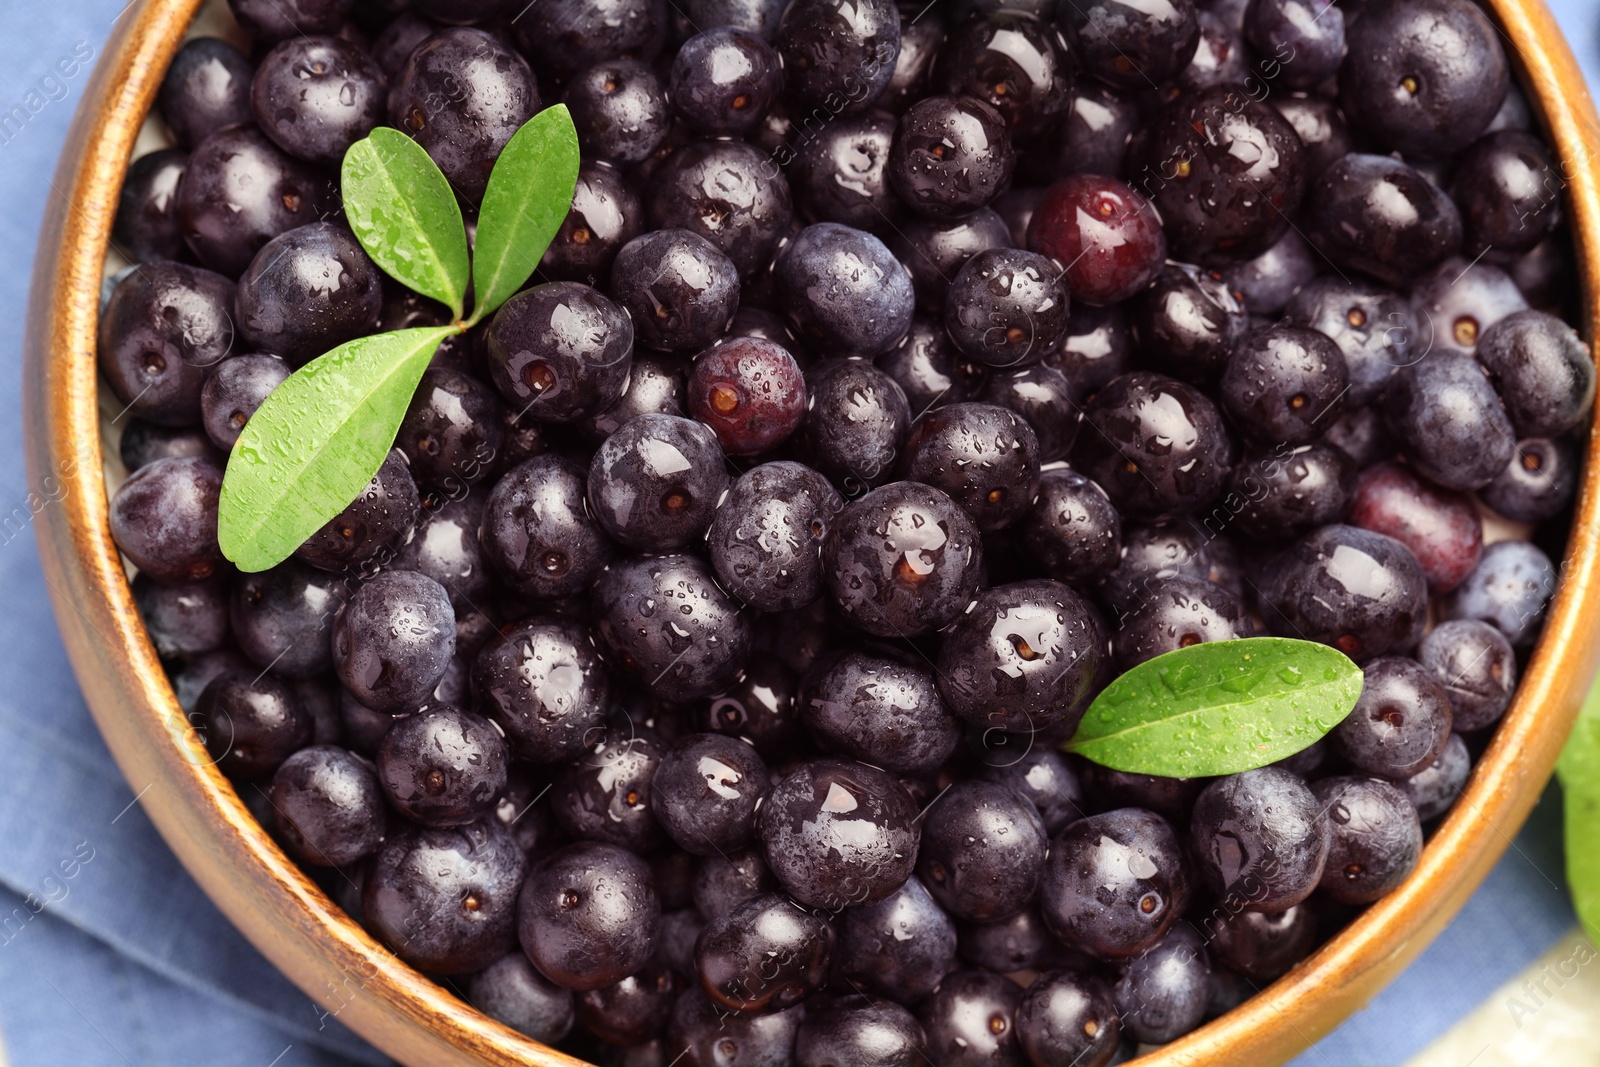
point(110, 955)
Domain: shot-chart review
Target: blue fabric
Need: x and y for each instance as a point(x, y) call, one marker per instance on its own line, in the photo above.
point(116, 958)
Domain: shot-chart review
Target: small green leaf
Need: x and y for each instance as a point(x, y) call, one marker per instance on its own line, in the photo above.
point(1218, 708)
point(317, 441)
point(1579, 769)
point(528, 197)
point(404, 214)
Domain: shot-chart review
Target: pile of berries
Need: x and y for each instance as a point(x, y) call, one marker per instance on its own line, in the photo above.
point(686, 686)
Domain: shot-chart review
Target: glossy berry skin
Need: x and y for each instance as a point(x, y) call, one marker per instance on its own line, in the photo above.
point(1400, 724)
point(722, 883)
point(1539, 482)
point(164, 519)
point(670, 626)
point(620, 111)
point(1178, 612)
point(367, 533)
point(1157, 447)
point(1284, 493)
point(832, 49)
point(1262, 946)
point(1018, 65)
point(1503, 185)
point(164, 327)
point(1282, 382)
point(442, 766)
point(588, 915)
point(706, 1035)
point(606, 214)
point(143, 443)
point(1130, 46)
point(706, 792)
point(1542, 371)
point(1095, 132)
point(146, 227)
point(969, 1020)
point(879, 707)
point(1267, 282)
point(679, 289)
point(986, 458)
point(541, 682)
point(1162, 994)
point(232, 392)
point(767, 953)
point(655, 386)
point(635, 1010)
point(239, 191)
point(1433, 790)
point(929, 369)
point(513, 992)
point(655, 483)
point(328, 806)
point(1153, 552)
point(568, 35)
point(1068, 1017)
point(1046, 779)
point(951, 155)
point(1105, 233)
point(841, 174)
point(250, 723)
point(445, 548)
point(843, 291)
point(1223, 196)
point(902, 560)
point(1019, 943)
point(1043, 397)
point(933, 250)
point(1024, 657)
point(1442, 528)
point(1188, 322)
point(1375, 837)
point(452, 432)
point(1114, 883)
point(728, 192)
point(750, 391)
point(1379, 216)
point(206, 88)
point(283, 618)
point(1306, 36)
point(856, 421)
point(183, 620)
point(461, 95)
point(983, 849)
point(1459, 301)
point(316, 96)
point(1510, 588)
point(307, 292)
point(394, 639)
point(838, 833)
point(560, 352)
point(1372, 325)
point(1259, 839)
point(1321, 125)
point(270, 21)
point(1424, 78)
point(445, 899)
point(537, 533)
point(1363, 593)
point(1451, 423)
point(766, 537)
point(899, 947)
point(605, 794)
point(1007, 308)
point(1363, 435)
point(724, 80)
point(758, 706)
point(861, 1031)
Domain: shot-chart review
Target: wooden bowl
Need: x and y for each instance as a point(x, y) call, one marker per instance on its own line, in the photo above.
point(363, 984)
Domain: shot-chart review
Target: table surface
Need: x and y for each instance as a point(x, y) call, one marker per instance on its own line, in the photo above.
point(124, 961)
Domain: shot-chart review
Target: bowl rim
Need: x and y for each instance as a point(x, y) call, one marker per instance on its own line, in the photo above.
point(362, 983)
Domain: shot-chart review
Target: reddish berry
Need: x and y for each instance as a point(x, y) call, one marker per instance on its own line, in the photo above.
point(750, 391)
point(1106, 235)
point(1441, 527)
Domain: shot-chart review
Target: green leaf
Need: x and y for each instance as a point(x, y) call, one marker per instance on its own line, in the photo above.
point(404, 214)
point(1579, 770)
point(528, 197)
point(1219, 707)
point(317, 441)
